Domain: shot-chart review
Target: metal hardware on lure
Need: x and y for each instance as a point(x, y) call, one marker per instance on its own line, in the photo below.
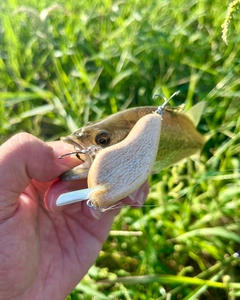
point(90, 150)
point(82, 169)
point(162, 107)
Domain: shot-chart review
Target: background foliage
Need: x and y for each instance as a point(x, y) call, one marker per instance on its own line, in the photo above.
point(67, 62)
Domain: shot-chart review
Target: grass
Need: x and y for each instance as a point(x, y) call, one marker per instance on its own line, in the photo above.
point(64, 64)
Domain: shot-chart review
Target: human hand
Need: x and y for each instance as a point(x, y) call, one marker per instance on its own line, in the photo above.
point(45, 250)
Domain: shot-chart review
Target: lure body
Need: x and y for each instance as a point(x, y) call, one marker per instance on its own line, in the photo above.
point(120, 169)
point(179, 137)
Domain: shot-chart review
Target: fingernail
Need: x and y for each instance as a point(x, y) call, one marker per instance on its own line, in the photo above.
point(95, 213)
point(141, 199)
point(52, 205)
point(133, 196)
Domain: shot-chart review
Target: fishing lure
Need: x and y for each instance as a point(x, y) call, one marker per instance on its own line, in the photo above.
point(122, 150)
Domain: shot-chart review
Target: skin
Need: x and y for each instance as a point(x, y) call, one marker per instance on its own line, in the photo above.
point(45, 250)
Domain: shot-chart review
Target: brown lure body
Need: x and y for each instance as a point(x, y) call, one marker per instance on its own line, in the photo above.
point(179, 137)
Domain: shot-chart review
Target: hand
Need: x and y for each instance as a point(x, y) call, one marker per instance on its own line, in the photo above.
point(44, 251)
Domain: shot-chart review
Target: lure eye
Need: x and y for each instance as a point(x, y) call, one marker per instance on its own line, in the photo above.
point(103, 138)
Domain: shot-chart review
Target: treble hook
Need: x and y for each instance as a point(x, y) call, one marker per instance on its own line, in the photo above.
point(90, 150)
point(161, 108)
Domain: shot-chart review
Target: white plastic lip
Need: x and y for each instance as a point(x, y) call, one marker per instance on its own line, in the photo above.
point(74, 197)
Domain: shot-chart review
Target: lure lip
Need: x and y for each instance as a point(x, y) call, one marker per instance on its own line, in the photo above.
point(73, 197)
point(77, 196)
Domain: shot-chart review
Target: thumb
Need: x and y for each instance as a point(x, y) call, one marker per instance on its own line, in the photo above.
point(23, 158)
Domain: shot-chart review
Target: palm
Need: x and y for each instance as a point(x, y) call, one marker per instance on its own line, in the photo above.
point(57, 248)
